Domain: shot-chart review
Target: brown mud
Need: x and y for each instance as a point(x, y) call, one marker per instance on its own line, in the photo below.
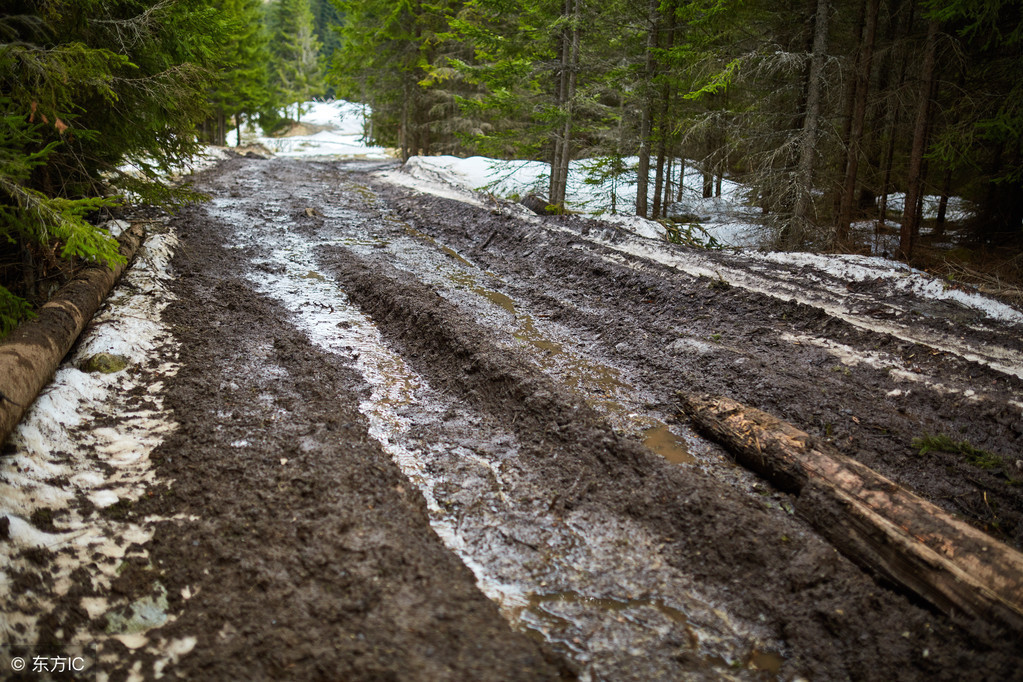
point(537, 372)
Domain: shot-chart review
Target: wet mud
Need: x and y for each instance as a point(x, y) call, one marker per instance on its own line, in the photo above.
point(425, 439)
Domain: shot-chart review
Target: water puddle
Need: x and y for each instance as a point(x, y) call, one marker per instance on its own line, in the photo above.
point(593, 585)
point(601, 386)
point(661, 440)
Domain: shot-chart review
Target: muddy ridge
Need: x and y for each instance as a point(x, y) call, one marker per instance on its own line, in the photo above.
point(820, 602)
point(311, 556)
point(701, 336)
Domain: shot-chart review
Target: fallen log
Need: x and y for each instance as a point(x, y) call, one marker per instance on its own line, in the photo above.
point(29, 357)
point(870, 519)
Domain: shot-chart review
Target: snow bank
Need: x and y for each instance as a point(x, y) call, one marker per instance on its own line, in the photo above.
point(849, 268)
point(724, 218)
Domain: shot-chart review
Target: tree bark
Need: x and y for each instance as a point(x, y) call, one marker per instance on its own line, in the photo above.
point(643, 169)
point(914, 180)
point(662, 135)
point(566, 94)
point(875, 522)
point(31, 354)
point(892, 118)
point(799, 227)
point(859, 113)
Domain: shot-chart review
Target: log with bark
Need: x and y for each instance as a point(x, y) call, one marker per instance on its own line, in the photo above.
point(29, 357)
point(876, 523)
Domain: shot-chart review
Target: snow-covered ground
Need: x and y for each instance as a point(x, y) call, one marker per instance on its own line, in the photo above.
point(88, 436)
point(724, 220)
point(344, 139)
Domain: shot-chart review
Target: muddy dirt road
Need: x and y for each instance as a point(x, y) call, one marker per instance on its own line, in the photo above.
point(423, 438)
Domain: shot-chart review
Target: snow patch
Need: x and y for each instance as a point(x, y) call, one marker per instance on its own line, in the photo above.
point(62, 455)
point(345, 138)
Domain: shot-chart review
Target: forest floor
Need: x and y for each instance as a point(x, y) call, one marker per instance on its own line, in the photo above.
point(418, 437)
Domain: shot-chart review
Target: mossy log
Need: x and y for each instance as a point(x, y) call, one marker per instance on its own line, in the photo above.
point(29, 357)
point(873, 521)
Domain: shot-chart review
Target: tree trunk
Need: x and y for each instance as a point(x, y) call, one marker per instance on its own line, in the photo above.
point(914, 180)
point(566, 93)
point(662, 134)
point(404, 134)
point(643, 169)
point(859, 113)
point(681, 175)
point(892, 120)
point(800, 224)
point(939, 223)
point(849, 96)
point(669, 178)
point(870, 519)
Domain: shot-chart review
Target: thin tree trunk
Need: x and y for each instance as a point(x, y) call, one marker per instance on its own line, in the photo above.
point(799, 227)
point(681, 175)
point(914, 181)
point(892, 121)
point(849, 96)
point(662, 141)
point(404, 133)
point(566, 93)
point(668, 178)
point(643, 169)
point(946, 188)
point(866, 55)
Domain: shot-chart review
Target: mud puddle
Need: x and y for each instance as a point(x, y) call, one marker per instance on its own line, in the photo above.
point(591, 584)
point(602, 386)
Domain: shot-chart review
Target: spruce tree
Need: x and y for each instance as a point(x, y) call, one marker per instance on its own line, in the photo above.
point(242, 87)
point(295, 50)
point(88, 88)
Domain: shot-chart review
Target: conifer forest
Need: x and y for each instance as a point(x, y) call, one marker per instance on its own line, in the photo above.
point(503, 340)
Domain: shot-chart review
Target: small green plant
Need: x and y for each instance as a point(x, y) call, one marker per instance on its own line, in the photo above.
point(721, 284)
point(690, 234)
point(978, 457)
point(716, 338)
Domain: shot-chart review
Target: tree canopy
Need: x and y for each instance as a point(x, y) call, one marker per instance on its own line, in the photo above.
point(829, 111)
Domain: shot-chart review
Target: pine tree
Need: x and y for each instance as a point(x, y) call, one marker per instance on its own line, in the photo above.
point(296, 72)
point(982, 143)
point(243, 87)
point(393, 56)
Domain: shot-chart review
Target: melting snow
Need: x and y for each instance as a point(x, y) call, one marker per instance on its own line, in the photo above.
point(62, 456)
point(344, 138)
